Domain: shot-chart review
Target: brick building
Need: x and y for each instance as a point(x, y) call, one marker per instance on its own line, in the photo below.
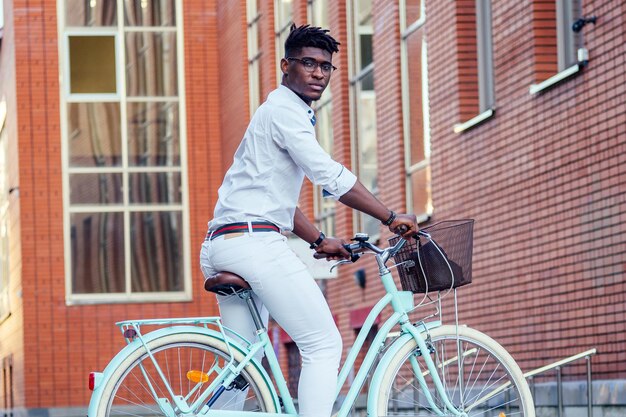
point(119, 118)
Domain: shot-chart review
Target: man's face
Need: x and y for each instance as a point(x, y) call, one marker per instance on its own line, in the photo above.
point(308, 85)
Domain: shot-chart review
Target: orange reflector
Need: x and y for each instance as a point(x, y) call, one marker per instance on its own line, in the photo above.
point(501, 415)
point(197, 376)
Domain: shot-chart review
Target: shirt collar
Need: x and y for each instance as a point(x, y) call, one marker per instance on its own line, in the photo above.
point(288, 93)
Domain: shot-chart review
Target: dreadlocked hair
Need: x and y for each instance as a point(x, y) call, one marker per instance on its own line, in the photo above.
point(309, 36)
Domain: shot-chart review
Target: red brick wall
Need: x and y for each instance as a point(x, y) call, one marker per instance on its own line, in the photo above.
point(467, 59)
point(544, 180)
point(62, 344)
point(232, 56)
point(267, 46)
point(12, 328)
point(544, 37)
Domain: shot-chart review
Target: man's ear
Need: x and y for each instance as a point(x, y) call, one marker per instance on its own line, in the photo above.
point(284, 66)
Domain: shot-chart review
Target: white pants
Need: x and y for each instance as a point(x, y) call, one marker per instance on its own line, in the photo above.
point(284, 288)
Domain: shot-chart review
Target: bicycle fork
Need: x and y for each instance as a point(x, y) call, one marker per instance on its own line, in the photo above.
point(432, 370)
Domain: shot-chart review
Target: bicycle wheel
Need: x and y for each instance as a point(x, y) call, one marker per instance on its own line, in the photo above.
point(136, 388)
point(479, 377)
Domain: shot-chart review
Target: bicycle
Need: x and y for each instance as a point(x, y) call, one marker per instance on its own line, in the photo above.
point(192, 367)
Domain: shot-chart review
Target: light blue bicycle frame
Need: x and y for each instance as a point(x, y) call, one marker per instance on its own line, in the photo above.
point(402, 304)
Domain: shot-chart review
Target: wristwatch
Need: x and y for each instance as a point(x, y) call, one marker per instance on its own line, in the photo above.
point(392, 217)
point(318, 242)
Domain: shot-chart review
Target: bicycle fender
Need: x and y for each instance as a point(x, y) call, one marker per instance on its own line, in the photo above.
point(375, 386)
point(96, 396)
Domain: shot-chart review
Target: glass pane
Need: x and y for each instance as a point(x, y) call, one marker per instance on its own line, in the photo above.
point(92, 64)
point(370, 225)
point(365, 12)
point(367, 82)
point(367, 168)
point(420, 191)
point(155, 187)
point(101, 188)
point(416, 106)
point(285, 12)
point(412, 11)
point(97, 241)
point(153, 134)
point(157, 251)
point(324, 127)
point(151, 64)
point(366, 50)
point(90, 13)
point(282, 37)
point(320, 13)
point(149, 13)
point(95, 138)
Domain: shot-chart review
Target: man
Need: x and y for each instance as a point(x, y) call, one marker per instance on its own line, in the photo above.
point(258, 199)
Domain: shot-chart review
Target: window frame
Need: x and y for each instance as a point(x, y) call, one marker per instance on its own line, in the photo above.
point(410, 169)
point(484, 64)
point(119, 31)
point(324, 208)
point(280, 28)
point(565, 45)
point(253, 16)
point(356, 77)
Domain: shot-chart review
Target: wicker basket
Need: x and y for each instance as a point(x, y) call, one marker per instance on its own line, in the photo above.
point(439, 262)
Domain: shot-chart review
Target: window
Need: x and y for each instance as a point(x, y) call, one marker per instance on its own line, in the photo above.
point(123, 152)
point(323, 207)
point(4, 217)
point(476, 83)
point(254, 82)
point(318, 13)
point(283, 14)
point(559, 51)
point(363, 108)
point(415, 105)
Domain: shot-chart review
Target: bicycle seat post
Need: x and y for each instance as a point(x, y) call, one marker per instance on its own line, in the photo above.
point(254, 312)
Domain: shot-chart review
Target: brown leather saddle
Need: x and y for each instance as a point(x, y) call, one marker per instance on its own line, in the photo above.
point(225, 283)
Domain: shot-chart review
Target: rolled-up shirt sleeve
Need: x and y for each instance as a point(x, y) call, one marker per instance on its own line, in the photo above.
point(293, 132)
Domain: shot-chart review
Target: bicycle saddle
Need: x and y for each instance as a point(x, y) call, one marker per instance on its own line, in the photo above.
point(225, 283)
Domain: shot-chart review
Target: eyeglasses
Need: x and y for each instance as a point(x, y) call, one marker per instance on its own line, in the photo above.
point(310, 65)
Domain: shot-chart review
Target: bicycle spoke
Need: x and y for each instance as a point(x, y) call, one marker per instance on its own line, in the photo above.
point(134, 394)
point(473, 377)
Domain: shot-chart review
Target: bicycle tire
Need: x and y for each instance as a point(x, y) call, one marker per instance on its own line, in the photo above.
point(127, 393)
point(485, 371)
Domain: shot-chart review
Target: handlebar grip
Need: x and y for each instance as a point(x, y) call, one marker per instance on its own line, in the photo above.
point(353, 257)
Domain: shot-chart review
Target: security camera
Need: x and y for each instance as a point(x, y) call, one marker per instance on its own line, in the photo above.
point(578, 25)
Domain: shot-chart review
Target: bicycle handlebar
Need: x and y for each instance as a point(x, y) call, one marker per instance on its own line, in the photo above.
point(361, 245)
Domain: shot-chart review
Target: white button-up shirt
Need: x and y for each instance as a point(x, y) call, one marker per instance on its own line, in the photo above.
point(278, 149)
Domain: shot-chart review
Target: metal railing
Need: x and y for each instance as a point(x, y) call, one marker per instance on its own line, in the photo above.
point(559, 378)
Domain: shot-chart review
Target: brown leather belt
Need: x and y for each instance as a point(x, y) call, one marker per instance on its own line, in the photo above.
point(242, 227)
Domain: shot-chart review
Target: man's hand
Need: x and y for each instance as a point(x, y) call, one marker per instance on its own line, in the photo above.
point(332, 249)
point(405, 225)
